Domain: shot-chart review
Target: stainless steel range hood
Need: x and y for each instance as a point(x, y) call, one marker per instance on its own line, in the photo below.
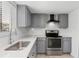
point(53, 18)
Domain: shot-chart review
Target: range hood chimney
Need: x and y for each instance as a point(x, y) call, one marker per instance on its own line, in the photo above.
point(53, 18)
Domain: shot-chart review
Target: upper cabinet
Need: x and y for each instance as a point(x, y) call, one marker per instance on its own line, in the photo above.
point(24, 16)
point(39, 20)
point(63, 18)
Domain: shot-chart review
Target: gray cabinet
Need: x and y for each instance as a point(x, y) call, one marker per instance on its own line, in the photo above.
point(33, 52)
point(24, 16)
point(41, 46)
point(39, 20)
point(66, 44)
point(63, 18)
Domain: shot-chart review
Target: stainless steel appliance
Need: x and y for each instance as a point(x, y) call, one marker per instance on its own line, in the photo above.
point(54, 42)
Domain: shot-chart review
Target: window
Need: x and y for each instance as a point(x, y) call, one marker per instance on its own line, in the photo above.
point(4, 17)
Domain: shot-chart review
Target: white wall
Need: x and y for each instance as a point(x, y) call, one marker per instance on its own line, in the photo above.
point(74, 31)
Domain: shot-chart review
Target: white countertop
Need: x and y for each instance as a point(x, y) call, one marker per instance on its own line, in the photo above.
point(19, 53)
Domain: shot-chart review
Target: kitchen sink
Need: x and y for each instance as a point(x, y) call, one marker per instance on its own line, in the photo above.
point(18, 46)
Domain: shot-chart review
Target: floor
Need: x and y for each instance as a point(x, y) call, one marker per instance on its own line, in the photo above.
point(54, 56)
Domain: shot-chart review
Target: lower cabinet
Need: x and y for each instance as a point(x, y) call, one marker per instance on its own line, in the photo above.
point(32, 53)
point(66, 44)
point(41, 46)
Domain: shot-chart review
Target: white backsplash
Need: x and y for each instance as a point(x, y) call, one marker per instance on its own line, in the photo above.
point(39, 32)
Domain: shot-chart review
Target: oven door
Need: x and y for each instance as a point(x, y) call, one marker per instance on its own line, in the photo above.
point(54, 43)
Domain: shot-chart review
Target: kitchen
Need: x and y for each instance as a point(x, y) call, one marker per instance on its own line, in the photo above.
point(42, 24)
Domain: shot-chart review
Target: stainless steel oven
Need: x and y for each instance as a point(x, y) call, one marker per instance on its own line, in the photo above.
point(53, 42)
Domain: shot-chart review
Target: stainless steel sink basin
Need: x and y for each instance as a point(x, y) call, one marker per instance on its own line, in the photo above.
point(18, 46)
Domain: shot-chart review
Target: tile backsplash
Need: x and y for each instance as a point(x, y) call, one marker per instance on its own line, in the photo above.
point(26, 32)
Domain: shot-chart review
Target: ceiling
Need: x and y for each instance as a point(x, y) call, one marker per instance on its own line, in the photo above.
point(50, 6)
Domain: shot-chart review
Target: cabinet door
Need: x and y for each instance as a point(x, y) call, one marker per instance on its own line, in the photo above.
point(67, 44)
point(32, 53)
point(63, 18)
point(39, 20)
point(28, 17)
point(41, 48)
point(23, 16)
point(34, 50)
